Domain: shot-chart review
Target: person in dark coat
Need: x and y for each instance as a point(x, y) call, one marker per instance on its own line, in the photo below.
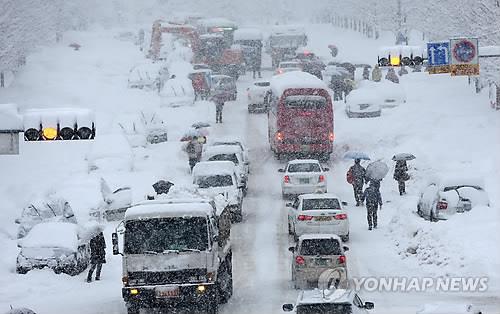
point(194, 149)
point(97, 256)
point(372, 199)
point(401, 175)
point(366, 73)
point(392, 76)
point(219, 100)
point(358, 179)
point(256, 60)
point(337, 85)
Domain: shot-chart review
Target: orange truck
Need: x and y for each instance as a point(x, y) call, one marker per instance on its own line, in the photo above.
point(185, 32)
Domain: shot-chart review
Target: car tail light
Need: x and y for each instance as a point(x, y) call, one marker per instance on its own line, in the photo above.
point(279, 136)
point(280, 71)
point(286, 179)
point(342, 259)
point(341, 216)
point(442, 205)
point(304, 218)
point(125, 280)
point(321, 178)
point(331, 136)
point(299, 260)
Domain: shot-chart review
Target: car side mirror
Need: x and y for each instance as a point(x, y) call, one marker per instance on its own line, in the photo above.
point(344, 203)
point(281, 170)
point(326, 169)
point(369, 305)
point(17, 221)
point(289, 204)
point(291, 249)
point(114, 240)
point(287, 307)
point(346, 248)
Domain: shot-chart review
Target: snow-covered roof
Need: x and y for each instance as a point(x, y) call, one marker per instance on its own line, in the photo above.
point(221, 149)
point(280, 83)
point(303, 161)
point(317, 236)
point(149, 210)
point(10, 119)
point(401, 50)
point(248, 34)
point(210, 168)
point(217, 22)
point(63, 116)
point(318, 195)
point(327, 296)
point(52, 235)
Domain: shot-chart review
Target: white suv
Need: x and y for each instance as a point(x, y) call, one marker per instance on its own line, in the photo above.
point(318, 213)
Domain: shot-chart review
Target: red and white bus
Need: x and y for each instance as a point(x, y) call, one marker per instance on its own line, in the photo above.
point(300, 117)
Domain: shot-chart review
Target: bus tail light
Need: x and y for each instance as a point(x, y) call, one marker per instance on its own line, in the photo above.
point(279, 136)
point(331, 136)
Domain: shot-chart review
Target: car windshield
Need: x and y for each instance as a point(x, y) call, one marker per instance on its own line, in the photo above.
point(324, 308)
point(225, 157)
point(320, 203)
point(305, 102)
point(160, 235)
point(305, 167)
point(320, 247)
point(214, 181)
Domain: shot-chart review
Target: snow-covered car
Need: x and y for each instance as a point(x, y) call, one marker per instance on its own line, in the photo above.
point(235, 142)
point(318, 213)
point(148, 76)
point(229, 153)
point(226, 84)
point(387, 95)
point(442, 198)
point(288, 66)
point(141, 128)
point(21, 310)
point(301, 176)
point(177, 92)
point(337, 301)
point(56, 245)
point(110, 152)
point(362, 103)
point(334, 70)
point(257, 96)
point(49, 209)
point(114, 203)
point(220, 177)
point(449, 308)
point(312, 255)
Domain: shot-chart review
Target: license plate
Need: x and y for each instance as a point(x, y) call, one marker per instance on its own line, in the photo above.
point(323, 218)
point(304, 181)
point(321, 262)
point(167, 292)
point(306, 148)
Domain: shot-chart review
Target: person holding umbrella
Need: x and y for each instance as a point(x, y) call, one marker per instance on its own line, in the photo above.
point(401, 170)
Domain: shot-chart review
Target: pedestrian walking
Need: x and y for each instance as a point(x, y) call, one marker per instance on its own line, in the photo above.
point(337, 85)
point(376, 74)
point(356, 177)
point(372, 199)
point(256, 61)
point(97, 255)
point(366, 73)
point(401, 175)
point(194, 149)
point(392, 76)
point(219, 100)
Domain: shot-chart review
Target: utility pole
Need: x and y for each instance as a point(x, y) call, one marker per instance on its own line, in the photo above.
point(401, 37)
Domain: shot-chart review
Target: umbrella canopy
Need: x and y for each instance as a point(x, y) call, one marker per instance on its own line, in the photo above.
point(403, 156)
point(377, 170)
point(20, 311)
point(356, 155)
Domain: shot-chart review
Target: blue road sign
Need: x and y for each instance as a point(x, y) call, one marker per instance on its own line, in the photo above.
point(438, 53)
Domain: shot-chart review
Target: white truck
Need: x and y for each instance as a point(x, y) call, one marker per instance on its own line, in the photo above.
point(176, 253)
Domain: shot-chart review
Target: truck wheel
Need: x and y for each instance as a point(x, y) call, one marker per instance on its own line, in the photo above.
point(228, 290)
point(133, 310)
point(212, 304)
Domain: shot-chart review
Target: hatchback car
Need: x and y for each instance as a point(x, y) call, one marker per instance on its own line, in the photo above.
point(339, 301)
point(301, 176)
point(318, 213)
point(226, 84)
point(257, 94)
point(313, 255)
point(56, 245)
point(442, 198)
point(362, 104)
point(229, 153)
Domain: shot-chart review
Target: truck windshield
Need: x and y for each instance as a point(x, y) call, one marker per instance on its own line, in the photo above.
point(166, 234)
point(214, 181)
point(324, 308)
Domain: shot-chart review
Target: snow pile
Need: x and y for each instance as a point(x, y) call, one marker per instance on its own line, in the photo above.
point(10, 119)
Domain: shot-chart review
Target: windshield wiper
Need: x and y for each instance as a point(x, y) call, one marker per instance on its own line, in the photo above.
point(190, 250)
point(150, 252)
point(170, 251)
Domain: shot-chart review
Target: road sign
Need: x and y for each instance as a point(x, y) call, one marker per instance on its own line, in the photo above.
point(464, 55)
point(439, 57)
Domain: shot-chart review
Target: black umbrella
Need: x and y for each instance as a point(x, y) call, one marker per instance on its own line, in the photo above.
point(403, 156)
point(162, 187)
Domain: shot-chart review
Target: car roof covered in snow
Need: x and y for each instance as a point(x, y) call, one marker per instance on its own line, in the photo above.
point(52, 235)
point(153, 209)
point(248, 34)
point(318, 196)
point(303, 161)
point(210, 168)
point(10, 119)
point(226, 139)
point(287, 30)
point(326, 296)
point(319, 236)
point(454, 180)
point(297, 79)
point(221, 149)
point(366, 95)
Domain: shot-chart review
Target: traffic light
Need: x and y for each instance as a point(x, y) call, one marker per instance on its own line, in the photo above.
point(59, 124)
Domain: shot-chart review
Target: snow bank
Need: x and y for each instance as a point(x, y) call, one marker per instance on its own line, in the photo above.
point(10, 119)
point(52, 235)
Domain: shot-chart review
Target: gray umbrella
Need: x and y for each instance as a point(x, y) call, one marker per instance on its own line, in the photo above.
point(377, 170)
point(403, 156)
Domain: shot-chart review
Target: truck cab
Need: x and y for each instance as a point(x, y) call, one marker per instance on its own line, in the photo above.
point(176, 253)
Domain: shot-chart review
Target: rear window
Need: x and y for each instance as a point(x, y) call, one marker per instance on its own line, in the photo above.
point(320, 247)
point(324, 308)
point(456, 187)
point(214, 181)
point(225, 157)
point(263, 84)
point(306, 167)
point(321, 203)
point(305, 102)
